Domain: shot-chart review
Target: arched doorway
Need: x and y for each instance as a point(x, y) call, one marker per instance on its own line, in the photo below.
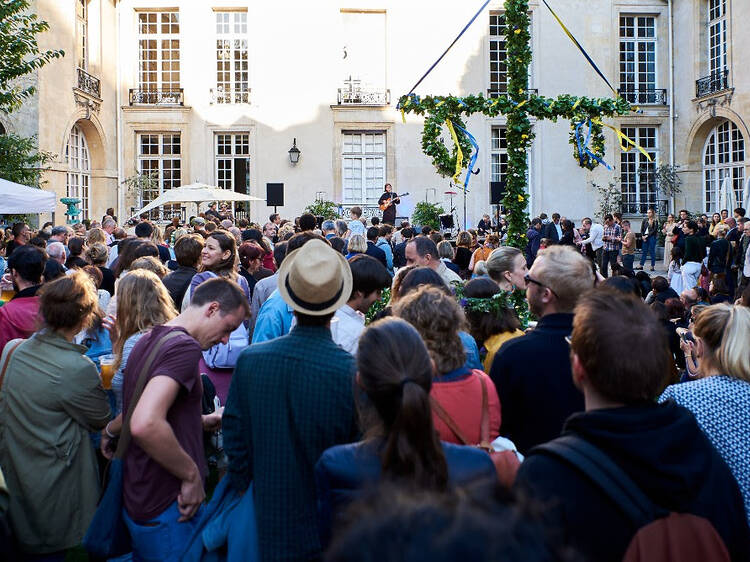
point(723, 157)
point(79, 169)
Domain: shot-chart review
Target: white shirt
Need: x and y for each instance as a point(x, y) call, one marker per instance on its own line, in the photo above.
point(595, 236)
point(746, 269)
point(447, 275)
point(346, 327)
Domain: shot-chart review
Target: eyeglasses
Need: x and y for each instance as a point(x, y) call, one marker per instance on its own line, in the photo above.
point(529, 279)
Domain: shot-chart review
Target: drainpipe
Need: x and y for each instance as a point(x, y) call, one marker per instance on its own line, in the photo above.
point(118, 117)
point(671, 95)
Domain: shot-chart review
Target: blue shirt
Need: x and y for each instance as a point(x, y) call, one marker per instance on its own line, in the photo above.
point(472, 352)
point(274, 319)
point(386, 247)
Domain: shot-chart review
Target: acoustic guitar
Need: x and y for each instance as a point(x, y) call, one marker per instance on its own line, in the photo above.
point(392, 201)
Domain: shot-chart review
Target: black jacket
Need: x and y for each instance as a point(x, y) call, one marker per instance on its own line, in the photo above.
point(377, 253)
point(550, 231)
point(399, 254)
point(664, 452)
point(534, 382)
point(177, 283)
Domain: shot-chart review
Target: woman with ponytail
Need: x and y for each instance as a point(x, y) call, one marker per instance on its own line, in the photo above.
point(401, 445)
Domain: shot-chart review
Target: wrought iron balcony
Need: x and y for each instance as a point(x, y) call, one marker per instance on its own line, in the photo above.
point(89, 84)
point(220, 96)
point(644, 95)
point(494, 93)
point(360, 96)
point(156, 97)
point(715, 82)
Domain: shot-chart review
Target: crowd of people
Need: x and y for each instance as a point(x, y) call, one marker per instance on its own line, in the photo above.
point(377, 392)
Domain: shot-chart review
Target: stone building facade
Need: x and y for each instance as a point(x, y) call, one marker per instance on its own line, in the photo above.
point(218, 92)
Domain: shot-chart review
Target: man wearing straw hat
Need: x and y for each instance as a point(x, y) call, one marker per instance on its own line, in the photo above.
point(291, 398)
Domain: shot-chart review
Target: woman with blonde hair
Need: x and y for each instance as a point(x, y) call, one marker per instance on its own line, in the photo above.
point(142, 303)
point(96, 236)
point(357, 245)
point(457, 390)
point(720, 398)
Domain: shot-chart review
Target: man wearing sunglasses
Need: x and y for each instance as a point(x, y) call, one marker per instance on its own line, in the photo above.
point(532, 373)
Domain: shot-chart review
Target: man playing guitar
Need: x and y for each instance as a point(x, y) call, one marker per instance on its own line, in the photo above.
point(387, 204)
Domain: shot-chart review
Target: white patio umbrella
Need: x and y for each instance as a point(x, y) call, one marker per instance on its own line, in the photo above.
point(17, 199)
point(727, 198)
point(196, 193)
point(746, 193)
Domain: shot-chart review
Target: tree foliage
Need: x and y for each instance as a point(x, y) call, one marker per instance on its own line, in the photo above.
point(21, 161)
point(19, 51)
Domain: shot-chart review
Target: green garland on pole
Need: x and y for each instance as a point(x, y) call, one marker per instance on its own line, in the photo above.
point(518, 106)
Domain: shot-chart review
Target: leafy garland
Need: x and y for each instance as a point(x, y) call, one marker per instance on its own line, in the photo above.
point(517, 107)
point(597, 146)
point(496, 304)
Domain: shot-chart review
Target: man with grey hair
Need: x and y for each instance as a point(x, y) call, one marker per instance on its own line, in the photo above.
point(341, 228)
point(108, 226)
point(329, 229)
point(61, 234)
point(56, 252)
point(270, 234)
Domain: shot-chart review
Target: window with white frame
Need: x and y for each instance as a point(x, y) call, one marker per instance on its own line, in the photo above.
point(499, 154)
point(232, 79)
point(232, 152)
point(159, 51)
point(637, 173)
point(638, 58)
point(78, 177)
point(82, 34)
point(498, 55)
point(717, 36)
point(363, 166)
point(159, 158)
point(723, 166)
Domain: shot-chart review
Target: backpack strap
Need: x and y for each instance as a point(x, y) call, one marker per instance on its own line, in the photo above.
point(140, 384)
point(10, 347)
point(484, 428)
point(605, 474)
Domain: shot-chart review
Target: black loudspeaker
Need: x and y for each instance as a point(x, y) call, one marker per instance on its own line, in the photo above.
point(497, 192)
point(275, 194)
point(446, 221)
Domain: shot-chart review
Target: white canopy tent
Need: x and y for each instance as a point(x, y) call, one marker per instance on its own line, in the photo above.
point(196, 193)
point(17, 199)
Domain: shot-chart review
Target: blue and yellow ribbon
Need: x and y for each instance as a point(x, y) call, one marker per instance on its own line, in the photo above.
point(626, 143)
point(474, 156)
point(584, 152)
point(459, 153)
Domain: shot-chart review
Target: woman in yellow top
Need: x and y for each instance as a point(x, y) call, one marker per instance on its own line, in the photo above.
point(492, 320)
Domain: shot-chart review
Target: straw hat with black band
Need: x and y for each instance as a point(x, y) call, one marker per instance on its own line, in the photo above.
point(315, 279)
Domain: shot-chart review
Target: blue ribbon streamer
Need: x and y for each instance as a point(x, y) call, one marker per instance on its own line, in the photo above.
point(584, 153)
point(474, 156)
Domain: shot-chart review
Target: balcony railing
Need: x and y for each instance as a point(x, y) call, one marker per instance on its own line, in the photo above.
point(368, 210)
point(221, 96)
point(156, 97)
point(493, 93)
point(644, 95)
point(715, 82)
point(361, 96)
point(89, 84)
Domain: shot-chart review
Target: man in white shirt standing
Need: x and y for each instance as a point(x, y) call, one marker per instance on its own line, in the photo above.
point(369, 278)
point(594, 240)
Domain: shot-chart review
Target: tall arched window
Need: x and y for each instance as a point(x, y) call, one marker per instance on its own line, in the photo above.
point(723, 157)
point(79, 169)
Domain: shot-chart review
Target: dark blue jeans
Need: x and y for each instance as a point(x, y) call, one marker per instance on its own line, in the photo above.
point(627, 261)
point(162, 538)
point(649, 246)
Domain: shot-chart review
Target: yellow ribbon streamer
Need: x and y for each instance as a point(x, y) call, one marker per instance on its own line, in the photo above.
point(403, 115)
point(460, 154)
point(626, 143)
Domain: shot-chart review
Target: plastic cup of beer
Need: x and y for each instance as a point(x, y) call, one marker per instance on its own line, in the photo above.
point(107, 363)
point(7, 294)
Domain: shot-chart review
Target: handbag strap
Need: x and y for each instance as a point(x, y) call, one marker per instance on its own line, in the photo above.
point(139, 386)
point(11, 347)
point(448, 420)
point(484, 428)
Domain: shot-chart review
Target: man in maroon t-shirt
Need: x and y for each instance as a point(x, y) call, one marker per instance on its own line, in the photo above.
point(164, 466)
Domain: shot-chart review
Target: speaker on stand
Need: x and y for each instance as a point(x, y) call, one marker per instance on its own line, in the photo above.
point(497, 194)
point(275, 195)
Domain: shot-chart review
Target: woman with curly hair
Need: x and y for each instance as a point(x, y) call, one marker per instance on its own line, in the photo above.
point(457, 390)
